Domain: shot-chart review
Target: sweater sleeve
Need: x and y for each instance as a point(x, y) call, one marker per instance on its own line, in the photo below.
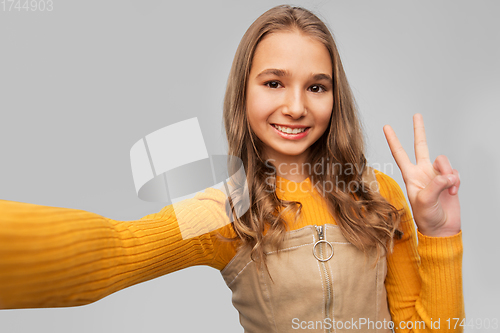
point(424, 278)
point(59, 257)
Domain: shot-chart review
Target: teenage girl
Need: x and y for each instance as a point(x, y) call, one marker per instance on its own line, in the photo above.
point(328, 243)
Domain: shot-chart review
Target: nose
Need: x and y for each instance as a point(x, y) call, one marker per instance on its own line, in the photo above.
point(295, 104)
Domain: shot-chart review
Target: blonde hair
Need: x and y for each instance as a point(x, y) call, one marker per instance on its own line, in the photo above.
point(365, 218)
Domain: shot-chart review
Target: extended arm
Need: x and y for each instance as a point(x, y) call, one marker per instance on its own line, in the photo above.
point(58, 257)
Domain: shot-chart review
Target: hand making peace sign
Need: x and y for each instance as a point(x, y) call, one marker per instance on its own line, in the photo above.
point(432, 188)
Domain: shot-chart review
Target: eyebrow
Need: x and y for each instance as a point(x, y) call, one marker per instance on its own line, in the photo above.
point(283, 72)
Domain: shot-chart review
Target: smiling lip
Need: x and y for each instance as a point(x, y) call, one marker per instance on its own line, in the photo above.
point(290, 136)
point(291, 126)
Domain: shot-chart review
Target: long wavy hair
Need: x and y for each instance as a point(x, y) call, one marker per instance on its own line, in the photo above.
point(365, 218)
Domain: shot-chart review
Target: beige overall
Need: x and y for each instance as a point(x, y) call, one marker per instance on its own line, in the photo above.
point(316, 291)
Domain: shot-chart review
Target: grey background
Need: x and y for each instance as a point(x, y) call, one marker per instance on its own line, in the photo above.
point(81, 84)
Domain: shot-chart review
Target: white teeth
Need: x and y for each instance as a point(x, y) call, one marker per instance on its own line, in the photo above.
point(289, 130)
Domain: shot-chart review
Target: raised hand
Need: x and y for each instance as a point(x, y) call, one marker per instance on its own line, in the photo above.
point(432, 188)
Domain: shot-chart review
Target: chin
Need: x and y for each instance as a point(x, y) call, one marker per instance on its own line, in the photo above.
point(292, 153)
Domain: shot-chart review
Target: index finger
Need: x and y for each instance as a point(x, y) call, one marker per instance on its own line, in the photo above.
point(397, 150)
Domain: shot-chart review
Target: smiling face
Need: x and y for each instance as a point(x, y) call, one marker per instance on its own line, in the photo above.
point(290, 85)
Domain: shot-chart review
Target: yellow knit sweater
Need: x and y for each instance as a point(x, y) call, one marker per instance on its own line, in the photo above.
point(59, 257)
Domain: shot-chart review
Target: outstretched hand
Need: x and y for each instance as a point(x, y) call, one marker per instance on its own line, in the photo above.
point(432, 188)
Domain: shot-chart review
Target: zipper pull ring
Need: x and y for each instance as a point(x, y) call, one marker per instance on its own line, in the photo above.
point(321, 235)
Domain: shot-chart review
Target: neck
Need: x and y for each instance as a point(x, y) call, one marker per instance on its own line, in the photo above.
point(294, 168)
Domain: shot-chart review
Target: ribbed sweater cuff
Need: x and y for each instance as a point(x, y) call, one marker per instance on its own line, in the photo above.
point(441, 273)
point(440, 249)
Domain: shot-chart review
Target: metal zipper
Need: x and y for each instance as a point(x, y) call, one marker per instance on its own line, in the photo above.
point(320, 229)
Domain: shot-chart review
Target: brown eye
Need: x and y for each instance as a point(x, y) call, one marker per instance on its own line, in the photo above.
point(272, 84)
point(318, 88)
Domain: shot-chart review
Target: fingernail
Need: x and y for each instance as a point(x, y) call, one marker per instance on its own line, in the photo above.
point(451, 178)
